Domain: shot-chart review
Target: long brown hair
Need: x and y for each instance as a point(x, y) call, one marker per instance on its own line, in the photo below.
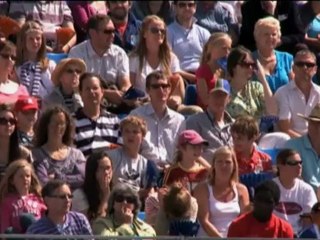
point(22, 45)
point(164, 51)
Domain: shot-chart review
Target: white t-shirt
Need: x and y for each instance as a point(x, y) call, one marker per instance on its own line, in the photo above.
point(295, 201)
point(140, 81)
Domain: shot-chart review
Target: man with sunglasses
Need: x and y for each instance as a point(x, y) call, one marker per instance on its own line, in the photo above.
point(164, 125)
point(298, 96)
point(308, 146)
point(127, 27)
point(104, 58)
point(184, 34)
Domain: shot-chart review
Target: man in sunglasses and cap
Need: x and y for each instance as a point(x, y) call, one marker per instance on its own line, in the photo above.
point(308, 147)
point(298, 96)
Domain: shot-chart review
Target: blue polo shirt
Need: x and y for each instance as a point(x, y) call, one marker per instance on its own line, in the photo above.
point(131, 34)
point(187, 44)
point(310, 159)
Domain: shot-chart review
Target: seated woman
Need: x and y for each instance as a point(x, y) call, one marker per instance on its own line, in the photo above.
point(277, 65)
point(247, 96)
point(297, 197)
point(33, 68)
point(212, 65)
point(9, 90)
point(54, 156)
point(65, 77)
point(92, 198)
point(10, 148)
point(153, 53)
point(59, 220)
point(122, 215)
point(188, 167)
point(19, 194)
point(222, 198)
point(128, 165)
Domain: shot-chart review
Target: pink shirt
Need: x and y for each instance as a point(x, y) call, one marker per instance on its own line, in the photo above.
point(13, 205)
point(12, 98)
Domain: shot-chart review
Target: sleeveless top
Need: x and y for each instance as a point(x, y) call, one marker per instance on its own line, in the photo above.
point(222, 213)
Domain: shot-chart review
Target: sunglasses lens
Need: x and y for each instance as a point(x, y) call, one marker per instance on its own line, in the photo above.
point(5, 121)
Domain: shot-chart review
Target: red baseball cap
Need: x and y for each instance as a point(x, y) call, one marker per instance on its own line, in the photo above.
point(26, 103)
point(191, 137)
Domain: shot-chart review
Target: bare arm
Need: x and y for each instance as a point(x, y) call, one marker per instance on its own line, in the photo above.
point(202, 195)
point(202, 90)
point(285, 126)
point(191, 78)
point(244, 201)
point(124, 83)
point(313, 42)
point(132, 78)
point(66, 48)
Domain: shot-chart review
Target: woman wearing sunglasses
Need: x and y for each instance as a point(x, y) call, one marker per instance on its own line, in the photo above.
point(153, 53)
point(297, 197)
point(9, 143)
point(9, 90)
point(122, 215)
point(248, 97)
point(65, 77)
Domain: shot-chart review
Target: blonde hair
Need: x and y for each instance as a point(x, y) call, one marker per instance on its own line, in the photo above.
point(213, 41)
point(164, 51)
point(6, 185)
point(30, 26)
point(225, 150)
point(136, 121)
point(267, 22)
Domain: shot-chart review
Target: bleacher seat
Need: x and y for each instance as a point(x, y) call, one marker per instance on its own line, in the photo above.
point(190, 95)
point(57, 57)
point(142, 216)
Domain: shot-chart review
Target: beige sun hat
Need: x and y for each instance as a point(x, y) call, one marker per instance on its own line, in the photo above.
point(56, 74)
point(314, 115)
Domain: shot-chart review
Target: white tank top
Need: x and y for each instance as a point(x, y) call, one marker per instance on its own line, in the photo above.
point(222, 213)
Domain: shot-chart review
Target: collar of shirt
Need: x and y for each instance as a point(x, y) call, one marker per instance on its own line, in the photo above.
point(150, 111)
point(92, 53)
point(178, 25)
point(227, 118)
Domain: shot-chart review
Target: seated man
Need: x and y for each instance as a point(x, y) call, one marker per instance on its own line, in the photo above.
point(184, 34)
point(244, 133)
point(214, 124)
point(164, 124)
point(308, 146)
point(261, 222)
point(298, 96)
point(104, 58)
point(95, 127)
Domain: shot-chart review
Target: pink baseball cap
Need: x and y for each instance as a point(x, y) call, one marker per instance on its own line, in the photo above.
point(191, 137)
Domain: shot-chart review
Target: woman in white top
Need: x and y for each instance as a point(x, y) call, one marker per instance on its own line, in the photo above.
point(153, 53)
point(222, 198)
point(33, 67)
point(297, 197)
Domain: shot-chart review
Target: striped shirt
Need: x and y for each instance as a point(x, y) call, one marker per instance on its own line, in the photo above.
point(96, 134)
point(75, 224)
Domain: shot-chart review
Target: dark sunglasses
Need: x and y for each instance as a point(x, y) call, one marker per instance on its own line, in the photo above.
point(8, 56)
point(157, 86)
point(128, 199)
point(155, 30)
point(108, 31)
point(62, 196)
point(305, 64)
point(293, 162)
point(248, 64)
point(69, 70)
point(183, 5)
point(5, 121)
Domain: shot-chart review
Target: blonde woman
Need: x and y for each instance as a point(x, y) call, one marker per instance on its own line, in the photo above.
point(19, 194)
point(153, 53)
point(222, 198)
point(212, 62)
point(33, 68)
point(276, 65)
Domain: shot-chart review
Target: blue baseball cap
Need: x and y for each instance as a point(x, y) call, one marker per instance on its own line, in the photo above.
point(221, 85)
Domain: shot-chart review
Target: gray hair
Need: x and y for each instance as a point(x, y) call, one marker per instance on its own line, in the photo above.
point(127, 190)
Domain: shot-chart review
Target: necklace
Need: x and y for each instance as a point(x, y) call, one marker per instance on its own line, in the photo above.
point(266, 59)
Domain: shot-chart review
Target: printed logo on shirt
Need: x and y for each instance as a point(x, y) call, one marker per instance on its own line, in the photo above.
point(288, 208)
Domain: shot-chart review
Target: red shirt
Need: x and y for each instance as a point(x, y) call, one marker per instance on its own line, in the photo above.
point(246, 226)
point(248, 165)
point(191, 177)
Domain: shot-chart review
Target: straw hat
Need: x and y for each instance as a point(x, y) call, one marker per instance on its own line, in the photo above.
point(56, 74)
point(314, 115)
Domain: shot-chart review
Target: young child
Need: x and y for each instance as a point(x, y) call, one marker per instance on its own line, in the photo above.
point(26, 109)
point(19, 195)
point(245, 132)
